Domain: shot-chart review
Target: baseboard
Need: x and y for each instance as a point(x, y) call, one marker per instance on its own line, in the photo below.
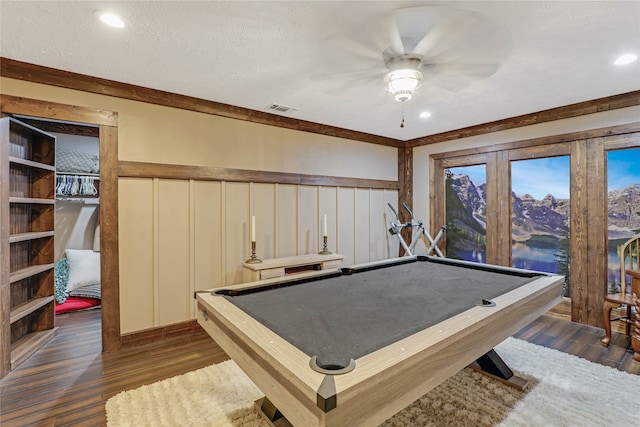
point(151, 335)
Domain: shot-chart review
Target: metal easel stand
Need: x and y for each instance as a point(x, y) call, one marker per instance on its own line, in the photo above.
point(418, 232)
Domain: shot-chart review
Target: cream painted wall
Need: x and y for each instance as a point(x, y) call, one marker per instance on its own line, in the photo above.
point(157, 134)
point(178, 236)
point(421, 154)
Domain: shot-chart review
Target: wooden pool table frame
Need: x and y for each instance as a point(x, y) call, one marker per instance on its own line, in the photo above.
point(383, 382)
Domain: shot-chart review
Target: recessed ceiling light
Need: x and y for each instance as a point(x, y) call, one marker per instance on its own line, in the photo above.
point(425, 115)
point(109, 18)
point(626, 59)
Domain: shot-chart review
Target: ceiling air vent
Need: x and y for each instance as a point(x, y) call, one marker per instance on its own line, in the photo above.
point(281, 108)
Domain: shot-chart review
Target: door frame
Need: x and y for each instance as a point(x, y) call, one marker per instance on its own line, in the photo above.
point(107, 121)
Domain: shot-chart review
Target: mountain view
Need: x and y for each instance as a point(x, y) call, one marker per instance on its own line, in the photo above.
point(533, 219)
point(540, 211)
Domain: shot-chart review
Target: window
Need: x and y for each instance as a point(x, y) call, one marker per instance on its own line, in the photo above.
point(540, 214)
point(623, 179)
point(466, 210)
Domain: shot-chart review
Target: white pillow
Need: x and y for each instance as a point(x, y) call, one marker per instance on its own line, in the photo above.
point(96, 239)
point(84, 268)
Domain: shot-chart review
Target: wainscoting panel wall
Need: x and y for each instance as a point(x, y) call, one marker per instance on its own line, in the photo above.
point(181, 236)
point(308, 224)
point(173, 264)
point(346, 215)
point(286, 220)
point(328, 203)
point(236, 225)
point(137, 253)
point(208, 251)
point(377, 225)
point(361, 225)
point(264, 208)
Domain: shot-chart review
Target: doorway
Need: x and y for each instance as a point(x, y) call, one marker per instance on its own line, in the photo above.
point(107, 124)
point(76, 224)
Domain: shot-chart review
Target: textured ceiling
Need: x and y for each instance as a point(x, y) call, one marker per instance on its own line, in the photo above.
point(253, 54)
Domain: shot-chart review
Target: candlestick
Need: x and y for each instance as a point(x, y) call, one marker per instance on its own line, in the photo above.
point(324, 250)
point(253, 228)
point(253, 259)
point(324, 227)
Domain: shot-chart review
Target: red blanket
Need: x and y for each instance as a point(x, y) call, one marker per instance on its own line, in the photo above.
point(75, 304)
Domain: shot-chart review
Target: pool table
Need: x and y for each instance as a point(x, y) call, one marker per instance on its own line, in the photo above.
point(353, 346)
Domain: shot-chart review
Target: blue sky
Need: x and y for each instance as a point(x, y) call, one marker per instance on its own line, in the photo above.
point(540, 177)
point(623, 168)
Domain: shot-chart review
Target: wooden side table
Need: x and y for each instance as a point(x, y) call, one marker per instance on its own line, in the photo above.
point(280, 267)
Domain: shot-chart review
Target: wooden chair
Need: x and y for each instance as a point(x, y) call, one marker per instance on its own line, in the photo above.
point(635, 338)
point(630, 251)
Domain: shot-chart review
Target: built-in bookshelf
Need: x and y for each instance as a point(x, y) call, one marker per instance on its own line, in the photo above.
point(27, 190)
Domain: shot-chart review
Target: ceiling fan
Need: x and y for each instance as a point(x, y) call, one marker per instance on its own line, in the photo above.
point(439, 45)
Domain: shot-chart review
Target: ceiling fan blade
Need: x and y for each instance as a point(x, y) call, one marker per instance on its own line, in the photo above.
point(395, 37)
point(343, 48)
point(449, 34)
point(456, 77)
point(365, 88)
point(462, 69)
point(356, 75)
point(414, 24)
point(450, 83)
point(474, 48)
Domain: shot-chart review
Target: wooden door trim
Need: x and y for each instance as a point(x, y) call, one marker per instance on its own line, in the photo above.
point(109, 255)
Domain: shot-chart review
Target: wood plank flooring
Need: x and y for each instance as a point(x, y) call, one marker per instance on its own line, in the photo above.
point(69, 380)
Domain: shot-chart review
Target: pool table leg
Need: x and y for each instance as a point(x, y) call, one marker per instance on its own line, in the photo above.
point(270, 413)
point(492, 364)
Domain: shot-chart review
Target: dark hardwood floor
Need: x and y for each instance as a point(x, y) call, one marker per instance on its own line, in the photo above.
point(69, 380)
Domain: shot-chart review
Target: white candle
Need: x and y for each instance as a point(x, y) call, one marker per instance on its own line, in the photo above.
point(253, 228)
point(324, 228)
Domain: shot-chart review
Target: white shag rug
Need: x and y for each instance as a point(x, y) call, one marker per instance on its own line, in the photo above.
point(568, 392)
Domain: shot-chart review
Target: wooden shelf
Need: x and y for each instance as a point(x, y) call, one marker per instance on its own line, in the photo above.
point(27, 239)
point(29, 271)
point(25, 309)
point(30, 236)
point(28, 344)
point(31, 163)
point(31, 200)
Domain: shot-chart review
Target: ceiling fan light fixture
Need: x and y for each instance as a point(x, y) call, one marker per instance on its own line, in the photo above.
point(402, 83)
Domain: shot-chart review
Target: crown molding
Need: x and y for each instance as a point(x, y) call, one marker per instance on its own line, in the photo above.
point(13, 69)
point(614, 102)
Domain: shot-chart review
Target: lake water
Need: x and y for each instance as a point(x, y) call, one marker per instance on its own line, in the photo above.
point(541, 259)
